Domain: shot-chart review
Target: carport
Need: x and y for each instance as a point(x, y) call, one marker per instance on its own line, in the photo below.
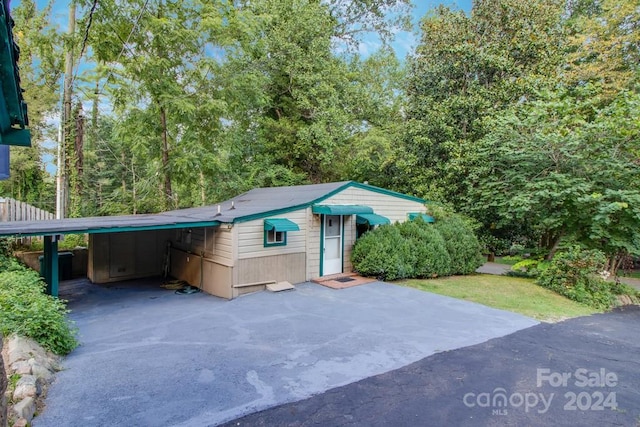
point(52, 230)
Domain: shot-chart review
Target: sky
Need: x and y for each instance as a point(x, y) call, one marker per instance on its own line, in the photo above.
point(403, 45)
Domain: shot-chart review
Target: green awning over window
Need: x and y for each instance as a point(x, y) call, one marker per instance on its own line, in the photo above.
point(425, 217)
point(341, 209)
point(372, 219)
point(280, 224)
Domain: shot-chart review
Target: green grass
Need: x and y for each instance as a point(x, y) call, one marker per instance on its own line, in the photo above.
point(635, 274)
point(506, 293)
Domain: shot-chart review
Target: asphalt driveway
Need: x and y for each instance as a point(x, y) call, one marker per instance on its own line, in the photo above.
point(150, 357)
point(580, 372)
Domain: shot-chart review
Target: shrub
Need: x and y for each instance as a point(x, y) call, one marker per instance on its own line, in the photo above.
point(383, 253)
point(26, 310)
point(415, 249)
point(575, 274)
point(461, 244)
point(426, 250)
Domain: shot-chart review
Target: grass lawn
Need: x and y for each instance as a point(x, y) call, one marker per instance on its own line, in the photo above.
point(506, 293)
point(635, 274)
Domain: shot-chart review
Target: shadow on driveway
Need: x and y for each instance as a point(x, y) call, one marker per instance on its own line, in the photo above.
point(150, 357)
point(580, 372)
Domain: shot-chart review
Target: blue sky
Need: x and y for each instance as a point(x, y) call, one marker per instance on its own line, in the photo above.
point(404, 41)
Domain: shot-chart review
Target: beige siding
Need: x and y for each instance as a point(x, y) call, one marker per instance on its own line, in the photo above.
point(394, 208)
point(313, 245)
point(251, 237)
point(289, 267)
point(216, 243)
point(215, 279)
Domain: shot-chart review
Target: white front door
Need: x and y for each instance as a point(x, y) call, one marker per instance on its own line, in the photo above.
point(332, 255)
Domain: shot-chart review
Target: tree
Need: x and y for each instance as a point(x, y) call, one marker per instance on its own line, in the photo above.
point(467, 68)
point(566, 167)
point(40, 72)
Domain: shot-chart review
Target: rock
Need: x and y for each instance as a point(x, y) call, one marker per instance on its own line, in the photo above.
point(3, 388)
point(27, 386)
point(21, 367)
point(40, 372)
point(26, 408)
point(19, 348)
point(21, 422)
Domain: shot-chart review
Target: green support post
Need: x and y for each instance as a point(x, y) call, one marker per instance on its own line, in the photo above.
point(51, 264)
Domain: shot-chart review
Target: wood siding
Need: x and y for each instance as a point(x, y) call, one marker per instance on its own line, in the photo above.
point(289, 267)
point(251, 237)
point(214, 278)
point(394, 208)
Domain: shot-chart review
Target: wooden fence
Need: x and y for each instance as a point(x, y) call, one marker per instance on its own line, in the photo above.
point(15, 210)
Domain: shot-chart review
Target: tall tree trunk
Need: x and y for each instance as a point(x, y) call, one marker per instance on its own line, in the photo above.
point(168, 196)
point(79, 155)
point(66, 118)
point(554, 247)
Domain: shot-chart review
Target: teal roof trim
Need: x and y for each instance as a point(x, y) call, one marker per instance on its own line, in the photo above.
point(372, 219)
point(107, 229)
point(425, 217)
point(347, 184)
point(341, 209)
point(280, 224)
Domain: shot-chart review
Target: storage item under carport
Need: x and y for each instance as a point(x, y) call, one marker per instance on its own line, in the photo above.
point(65, 266)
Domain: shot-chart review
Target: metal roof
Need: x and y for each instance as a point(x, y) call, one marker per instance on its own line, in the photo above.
point(255, 204)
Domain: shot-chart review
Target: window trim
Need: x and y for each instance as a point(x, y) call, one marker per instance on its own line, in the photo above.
point(268, 244)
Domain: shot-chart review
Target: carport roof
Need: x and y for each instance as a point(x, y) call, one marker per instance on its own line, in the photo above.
point(102, 224)
point(255, 204)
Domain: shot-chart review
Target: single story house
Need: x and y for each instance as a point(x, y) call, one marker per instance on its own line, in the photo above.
point(277, 234)
point(292, 234)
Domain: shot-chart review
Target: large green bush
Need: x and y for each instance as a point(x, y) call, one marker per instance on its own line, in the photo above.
point(461, 243)
point(426, 250)
point(383, 253)
point(575, 273)
point(26, 310)
point(415, 249)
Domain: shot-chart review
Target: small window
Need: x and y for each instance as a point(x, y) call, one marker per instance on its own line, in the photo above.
point(275, 231)
point(275, 238)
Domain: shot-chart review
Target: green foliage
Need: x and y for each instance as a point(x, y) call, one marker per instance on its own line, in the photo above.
point(575, 274)
point(69, 241)
point(415, 249)
point(461, 243)
point(26, 310)
point(525, 268)
point(383, 253)
point(426, 249)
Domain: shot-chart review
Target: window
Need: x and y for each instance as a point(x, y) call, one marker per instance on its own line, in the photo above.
point(275, 231)
point(275, 238)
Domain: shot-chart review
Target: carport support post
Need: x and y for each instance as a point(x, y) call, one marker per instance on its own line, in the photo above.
point(51, 264)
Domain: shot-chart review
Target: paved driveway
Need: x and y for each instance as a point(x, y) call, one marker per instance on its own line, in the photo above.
point(153, 358)
point(580, 372)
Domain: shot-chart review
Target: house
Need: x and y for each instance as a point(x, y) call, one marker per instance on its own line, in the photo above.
point(277, 234)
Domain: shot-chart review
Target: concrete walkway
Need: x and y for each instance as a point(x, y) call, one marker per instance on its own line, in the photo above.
point(150, 357)
point(499, 269)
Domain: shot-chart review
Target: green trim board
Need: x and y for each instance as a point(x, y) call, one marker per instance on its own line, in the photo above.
point(424, 216)
point(372, 219)
point(115, 229)
point(326, 196)
point(341, 209)
point(280, 224)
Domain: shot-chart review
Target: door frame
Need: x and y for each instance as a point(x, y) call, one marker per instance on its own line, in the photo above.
point(322, 231)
